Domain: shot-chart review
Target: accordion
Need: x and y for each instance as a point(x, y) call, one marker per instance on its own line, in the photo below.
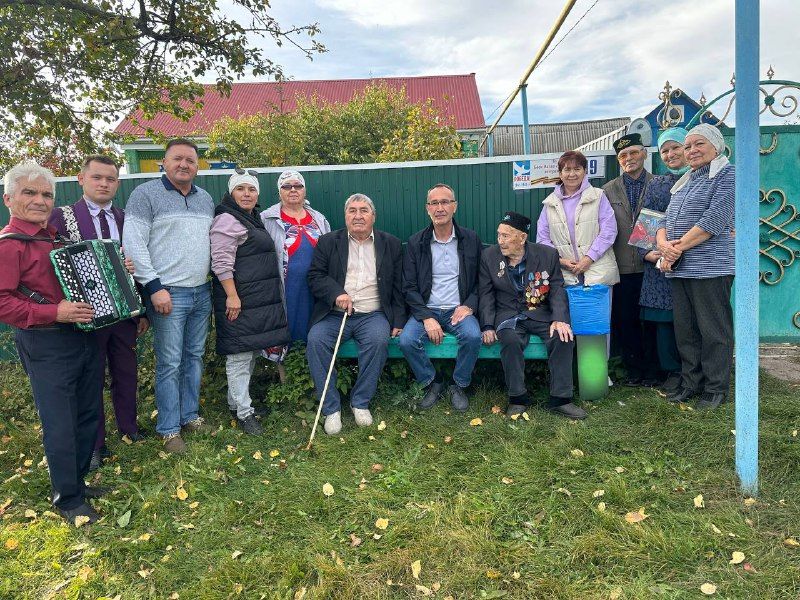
point(93, 271)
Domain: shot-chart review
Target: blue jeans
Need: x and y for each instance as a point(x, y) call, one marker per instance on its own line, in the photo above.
point(179, 340)
point(371, 333)
point(468, 334)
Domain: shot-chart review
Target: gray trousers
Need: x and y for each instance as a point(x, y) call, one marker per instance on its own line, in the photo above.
point(559, 359)
point(704, 332)
point(239, 368)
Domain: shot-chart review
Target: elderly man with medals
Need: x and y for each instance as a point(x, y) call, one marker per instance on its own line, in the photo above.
point(521, 293)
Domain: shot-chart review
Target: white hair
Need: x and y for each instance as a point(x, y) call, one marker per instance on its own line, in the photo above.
point(27, 170)
point(360, 198)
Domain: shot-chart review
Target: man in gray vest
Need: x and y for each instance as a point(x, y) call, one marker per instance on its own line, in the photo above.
point(626, 194)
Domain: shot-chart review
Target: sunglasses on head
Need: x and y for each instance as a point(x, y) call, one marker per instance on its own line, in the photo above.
point(292, 186)
point(241, 171)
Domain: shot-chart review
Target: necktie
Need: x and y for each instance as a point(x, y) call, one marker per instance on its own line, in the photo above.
point(105, 231)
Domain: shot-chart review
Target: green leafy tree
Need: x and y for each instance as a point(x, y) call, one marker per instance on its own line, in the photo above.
point(378, 125)
point(70, 68)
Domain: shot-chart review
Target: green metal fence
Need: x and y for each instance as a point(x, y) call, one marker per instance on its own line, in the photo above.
point(483, 187)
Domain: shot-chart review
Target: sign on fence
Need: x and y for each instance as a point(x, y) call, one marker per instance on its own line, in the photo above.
point(542, 173)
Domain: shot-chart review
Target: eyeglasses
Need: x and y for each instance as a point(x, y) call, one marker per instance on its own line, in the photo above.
point(436, 203)
point(292, 186)
point(241, 171)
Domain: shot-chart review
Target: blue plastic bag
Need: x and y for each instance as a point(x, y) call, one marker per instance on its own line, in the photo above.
point(590, 309)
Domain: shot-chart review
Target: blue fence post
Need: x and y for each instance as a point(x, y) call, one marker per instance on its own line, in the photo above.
point(526, 126)
point(747, 187)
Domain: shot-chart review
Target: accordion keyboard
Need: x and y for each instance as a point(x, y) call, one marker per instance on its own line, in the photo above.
point(93, 283)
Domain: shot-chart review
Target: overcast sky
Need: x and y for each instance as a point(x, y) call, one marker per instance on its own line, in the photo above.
point(614, 63)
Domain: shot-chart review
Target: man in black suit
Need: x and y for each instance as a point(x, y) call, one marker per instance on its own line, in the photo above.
point(356, 270)
point(521, 293)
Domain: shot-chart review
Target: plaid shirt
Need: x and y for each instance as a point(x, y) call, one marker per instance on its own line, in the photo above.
point(633, 189)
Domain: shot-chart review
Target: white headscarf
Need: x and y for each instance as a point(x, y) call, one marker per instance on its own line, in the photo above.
point(242, 178)
point(714, 136)
point(290, 175)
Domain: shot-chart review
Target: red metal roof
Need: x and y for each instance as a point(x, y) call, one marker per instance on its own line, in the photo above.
point(455, 96)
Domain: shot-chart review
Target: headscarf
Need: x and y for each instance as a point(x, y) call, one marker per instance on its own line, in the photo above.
point(242, 178)
point(714, 136)
point(290, 175)
point(673, 134)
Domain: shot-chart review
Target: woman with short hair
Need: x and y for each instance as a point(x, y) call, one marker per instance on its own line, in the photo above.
point(249, 310)
point(295, 228)
point(578, 221)
point(698, 251)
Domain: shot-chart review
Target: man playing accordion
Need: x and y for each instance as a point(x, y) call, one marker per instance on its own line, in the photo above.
point(61, 361)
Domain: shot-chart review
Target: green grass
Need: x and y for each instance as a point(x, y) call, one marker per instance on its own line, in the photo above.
point(447, 505)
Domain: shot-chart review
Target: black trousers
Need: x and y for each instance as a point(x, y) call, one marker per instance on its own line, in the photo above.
point(626, 328)
point(559, 359)
point(66, 374)
point(704, 332)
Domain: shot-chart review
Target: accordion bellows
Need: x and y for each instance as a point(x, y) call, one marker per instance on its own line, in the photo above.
point(93, 271)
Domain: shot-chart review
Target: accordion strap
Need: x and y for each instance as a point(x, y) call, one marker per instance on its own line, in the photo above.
point(24, 290)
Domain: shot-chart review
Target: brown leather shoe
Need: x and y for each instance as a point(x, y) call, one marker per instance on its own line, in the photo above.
point(175, 444)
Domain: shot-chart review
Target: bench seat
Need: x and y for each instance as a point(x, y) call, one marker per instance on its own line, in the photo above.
point(448, 349)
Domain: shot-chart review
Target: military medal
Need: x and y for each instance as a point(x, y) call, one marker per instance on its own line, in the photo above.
point(502, 270)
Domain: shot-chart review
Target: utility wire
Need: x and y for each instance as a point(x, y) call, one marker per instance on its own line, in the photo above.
point(553, 49)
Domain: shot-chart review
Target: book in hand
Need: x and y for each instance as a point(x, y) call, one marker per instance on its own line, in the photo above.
point(644, 230)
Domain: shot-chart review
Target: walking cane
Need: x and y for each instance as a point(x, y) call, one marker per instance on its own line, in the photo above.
point(327, 381)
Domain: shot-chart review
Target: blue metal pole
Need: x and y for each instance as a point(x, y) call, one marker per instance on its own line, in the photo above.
point(747, 186)
point(526, 127)
point(490, 142)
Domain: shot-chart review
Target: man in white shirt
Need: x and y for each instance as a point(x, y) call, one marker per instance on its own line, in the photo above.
point(95, 217)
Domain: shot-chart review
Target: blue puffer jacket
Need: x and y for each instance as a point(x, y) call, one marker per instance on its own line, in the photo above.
point(656, 291)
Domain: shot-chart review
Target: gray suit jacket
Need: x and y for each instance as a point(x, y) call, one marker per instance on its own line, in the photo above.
point(628, 259)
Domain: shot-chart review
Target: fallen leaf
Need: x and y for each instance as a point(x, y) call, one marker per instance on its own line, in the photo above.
point(181, 493)
point(194, 504)
point(85, 573)
point(736, 558)
point(423, 590)
point(174, 596)
point(381, 425)
point(698, 501)
point(794, 433)
point(237, 460)
point(448, 439)
point(436, 586)
point(709, 589)
point(11, 544)
point(257, 455)
point(327, 489)
point(237, 588)
point(236, 554)
point(124, 519)
point(615, 594)
point(516, 575)
point(28, 463)
point(371, 438)
point(30, 514)
point(382, 523)
point(230, 449)
point(619, 469)
point(153, 414)
point(791, 543)
point(749, 568)
point(507, 480)
point(300, 594)
point(515, 416)
point(715, 529)
point(564, 491)
point(576, 453)
point(496, 410)
point(355, 541)
point(526, 416)
point(476, 421)
point(144, 537)
point(601, 506)
point(598, 493)
point(376, 536)
point(5, 505)
point(81, 520)
point(144, 573)
point(377, 467)
point(416, 568)
point(637, 516)
point(493, 574)
point(127, 440)
point(274, 453)
point(750, 501)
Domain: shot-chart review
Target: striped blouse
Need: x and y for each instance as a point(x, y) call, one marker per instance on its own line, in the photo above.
point(710, 205)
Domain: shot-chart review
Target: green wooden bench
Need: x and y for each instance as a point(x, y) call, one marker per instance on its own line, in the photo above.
point(448, 349)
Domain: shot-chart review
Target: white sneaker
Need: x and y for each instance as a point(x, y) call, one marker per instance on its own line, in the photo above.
point(333, 423)
point(363, 417)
